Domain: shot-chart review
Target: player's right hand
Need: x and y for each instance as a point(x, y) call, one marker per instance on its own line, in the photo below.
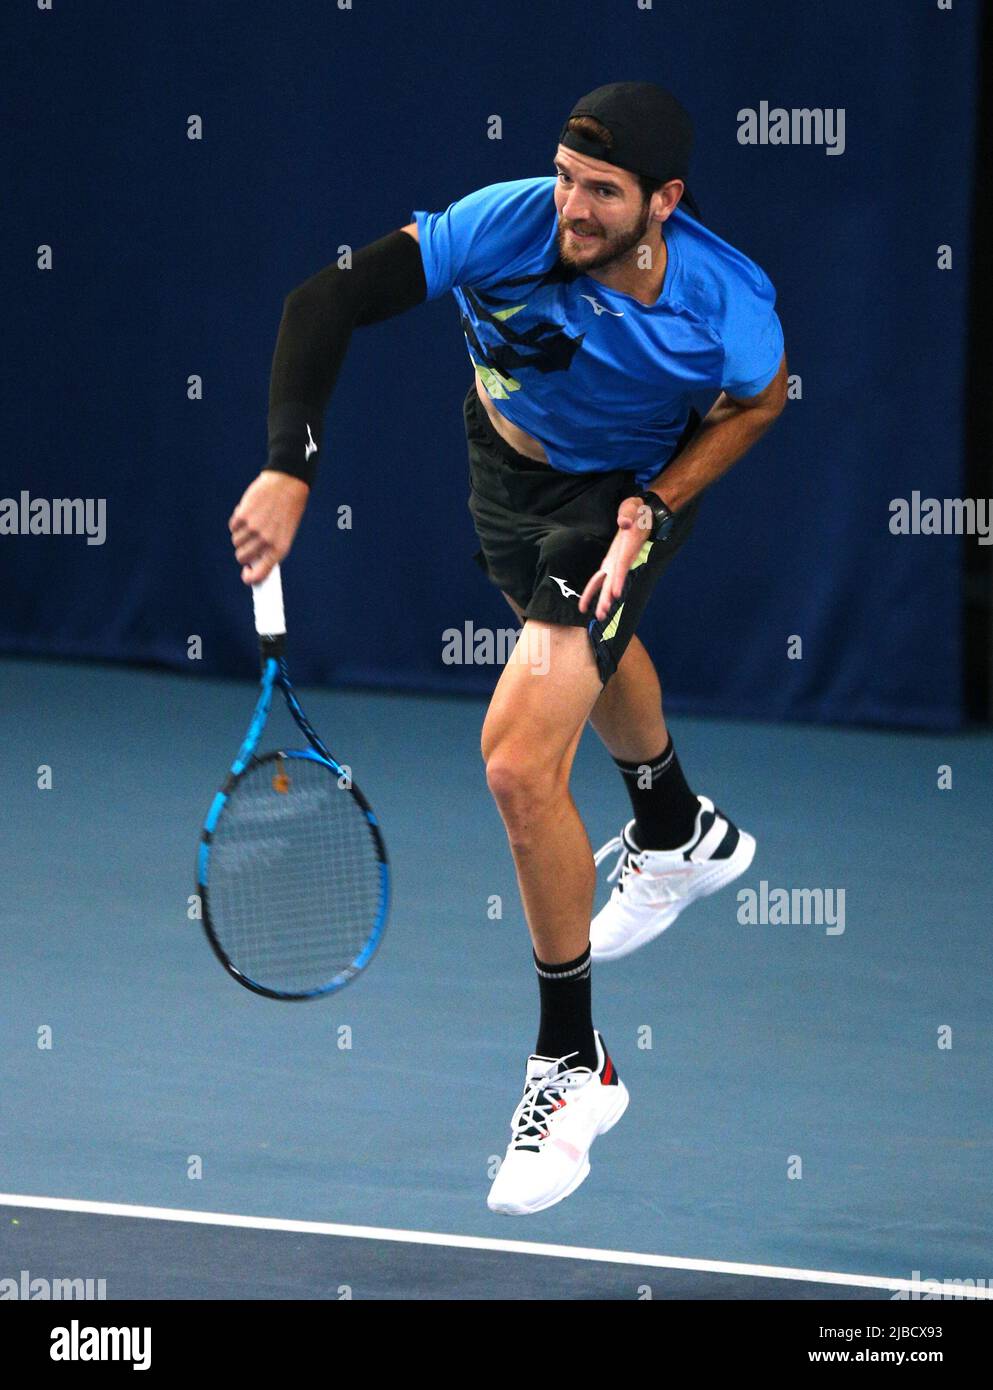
point(265, 521)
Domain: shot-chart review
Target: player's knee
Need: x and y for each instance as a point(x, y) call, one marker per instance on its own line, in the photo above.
point(522, 784)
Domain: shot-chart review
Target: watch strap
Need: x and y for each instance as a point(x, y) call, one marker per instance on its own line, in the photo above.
point(662, 518)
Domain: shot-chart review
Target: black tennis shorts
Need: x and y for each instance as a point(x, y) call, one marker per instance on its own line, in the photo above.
point(543, 534)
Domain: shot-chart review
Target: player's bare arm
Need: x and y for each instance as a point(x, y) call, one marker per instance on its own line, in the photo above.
point(726, 433)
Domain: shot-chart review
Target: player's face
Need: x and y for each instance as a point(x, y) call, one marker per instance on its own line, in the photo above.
point(601, 212)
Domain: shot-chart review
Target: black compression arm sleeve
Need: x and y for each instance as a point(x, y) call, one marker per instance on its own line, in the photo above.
point(386, 278)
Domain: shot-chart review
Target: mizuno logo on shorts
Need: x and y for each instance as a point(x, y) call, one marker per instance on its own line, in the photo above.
point(566, 591)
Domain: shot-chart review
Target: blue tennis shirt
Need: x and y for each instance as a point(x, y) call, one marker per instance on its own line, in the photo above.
point(600, 379)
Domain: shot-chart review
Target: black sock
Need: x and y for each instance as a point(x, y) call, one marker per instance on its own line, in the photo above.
point(665, 810)
point(566, 1011)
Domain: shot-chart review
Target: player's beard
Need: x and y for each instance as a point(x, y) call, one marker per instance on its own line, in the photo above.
point(612, 246)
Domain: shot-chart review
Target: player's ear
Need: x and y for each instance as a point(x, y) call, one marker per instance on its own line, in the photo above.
point(668, 197)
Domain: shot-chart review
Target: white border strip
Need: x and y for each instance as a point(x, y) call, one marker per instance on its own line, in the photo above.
point(514, 1247)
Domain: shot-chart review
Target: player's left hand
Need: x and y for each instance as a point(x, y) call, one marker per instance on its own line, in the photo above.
point(634, 526)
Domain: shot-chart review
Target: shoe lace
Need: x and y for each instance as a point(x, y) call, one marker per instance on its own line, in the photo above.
point(543, 1095)
point(624, 868)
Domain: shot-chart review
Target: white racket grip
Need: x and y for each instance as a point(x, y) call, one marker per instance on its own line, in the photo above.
point(268, 600)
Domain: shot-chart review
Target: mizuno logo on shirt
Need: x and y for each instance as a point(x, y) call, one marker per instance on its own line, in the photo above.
point(599, 308)
point(311, 446)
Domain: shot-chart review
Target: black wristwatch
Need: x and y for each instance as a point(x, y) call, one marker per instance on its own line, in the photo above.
point(663, 519)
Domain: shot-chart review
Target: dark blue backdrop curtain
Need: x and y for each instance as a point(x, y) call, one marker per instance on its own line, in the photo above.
point(324, 127)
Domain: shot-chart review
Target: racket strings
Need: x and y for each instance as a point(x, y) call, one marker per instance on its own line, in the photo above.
point(295, 881)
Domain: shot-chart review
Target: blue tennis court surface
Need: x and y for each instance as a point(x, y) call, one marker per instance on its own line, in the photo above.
point(155, 1253)
point(802, 1098)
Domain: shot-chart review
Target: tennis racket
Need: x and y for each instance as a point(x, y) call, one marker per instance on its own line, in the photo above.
point(292, 871)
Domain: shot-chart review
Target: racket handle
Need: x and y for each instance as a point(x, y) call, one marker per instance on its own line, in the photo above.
point(268, 600)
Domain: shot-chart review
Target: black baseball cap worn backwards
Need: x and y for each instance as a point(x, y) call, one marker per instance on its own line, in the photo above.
point(652, 133)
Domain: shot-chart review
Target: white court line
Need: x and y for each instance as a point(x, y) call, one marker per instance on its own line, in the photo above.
point(514, 1247)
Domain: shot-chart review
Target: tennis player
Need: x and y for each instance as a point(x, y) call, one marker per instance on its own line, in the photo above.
point(595, 305)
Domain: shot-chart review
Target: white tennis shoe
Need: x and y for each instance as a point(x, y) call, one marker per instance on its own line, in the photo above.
point(562, 1111)
point(654, 886)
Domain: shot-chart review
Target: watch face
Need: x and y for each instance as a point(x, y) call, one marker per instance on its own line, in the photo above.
point(661, 515)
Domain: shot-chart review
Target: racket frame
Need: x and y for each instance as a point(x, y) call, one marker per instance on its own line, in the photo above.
point(272, 645)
